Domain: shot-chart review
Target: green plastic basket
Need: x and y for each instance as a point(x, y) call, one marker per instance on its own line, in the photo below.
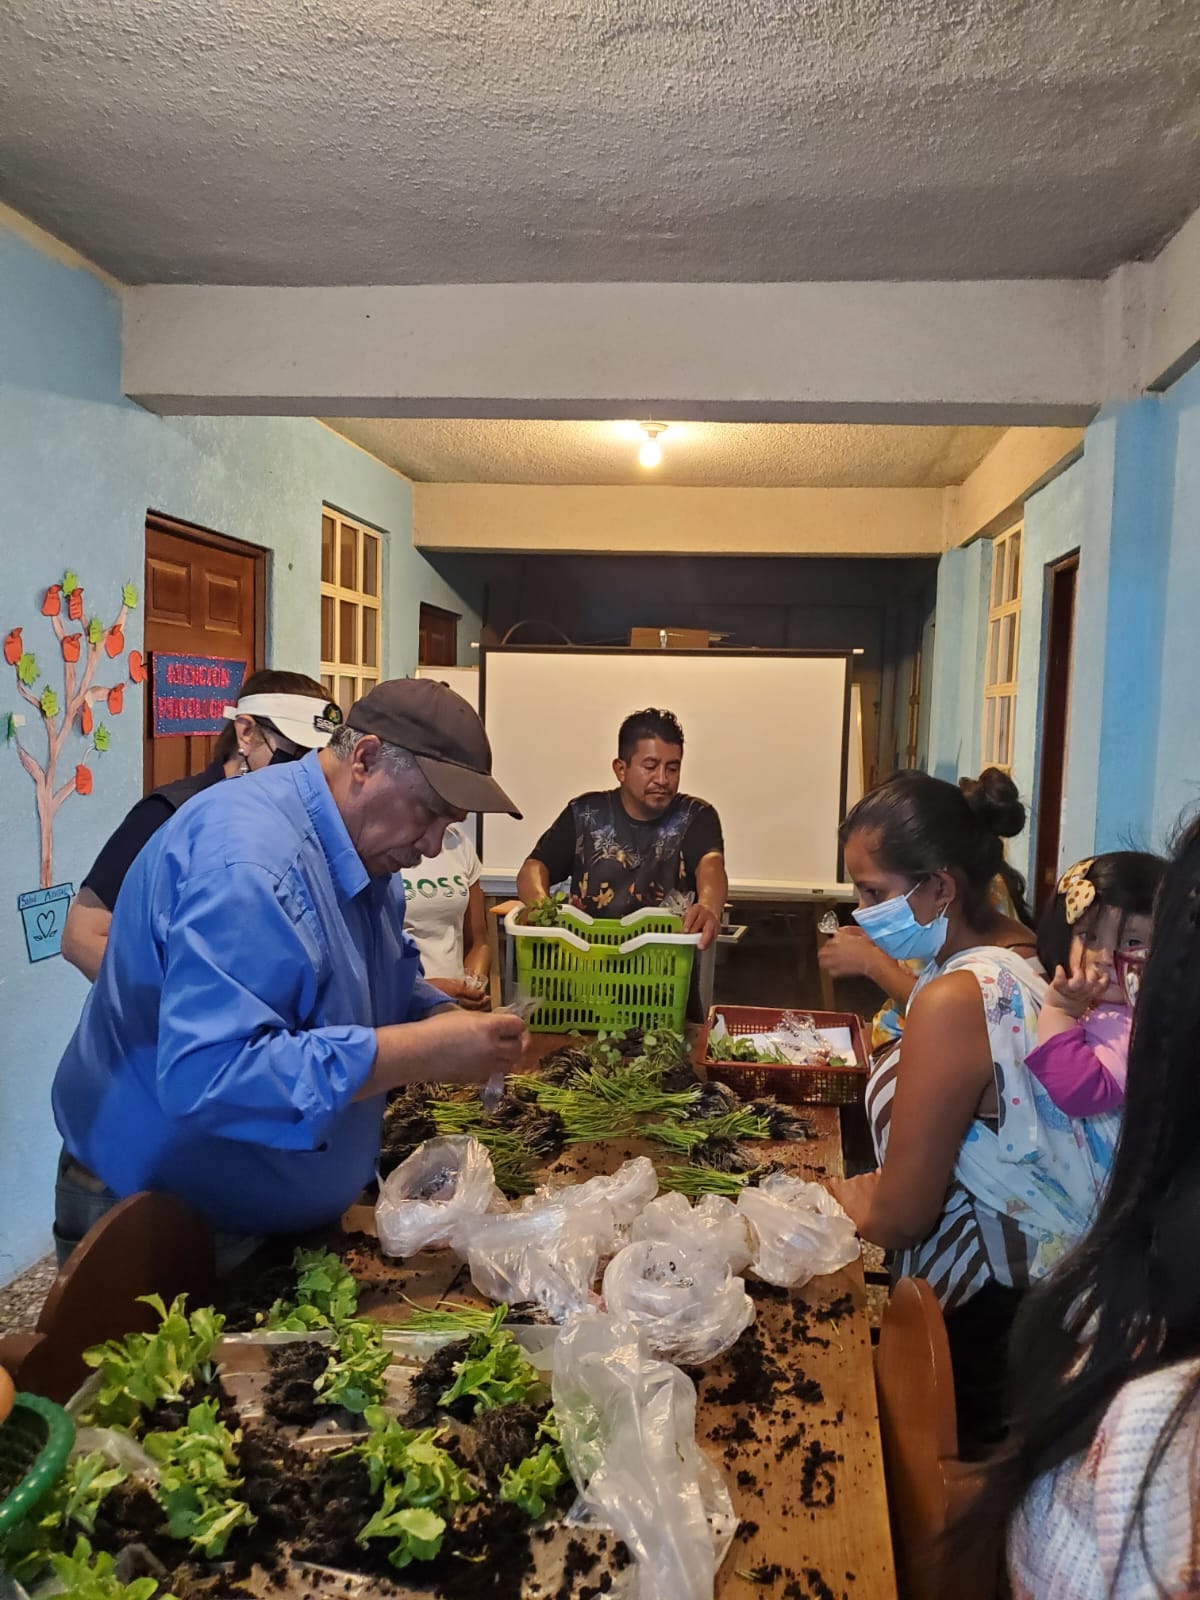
point(35, 1442)
point(596, 973)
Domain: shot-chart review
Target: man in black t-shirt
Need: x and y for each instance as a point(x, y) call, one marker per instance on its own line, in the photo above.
point(627, 848)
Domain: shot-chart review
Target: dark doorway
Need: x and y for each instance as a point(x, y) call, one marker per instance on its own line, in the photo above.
point(437, 645)
point(205, 596)
point(1056, 722)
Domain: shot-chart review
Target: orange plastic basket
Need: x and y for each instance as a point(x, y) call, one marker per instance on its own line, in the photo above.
point(818, 1085)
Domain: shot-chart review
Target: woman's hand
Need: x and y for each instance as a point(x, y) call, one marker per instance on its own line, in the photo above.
point(847, 954)
point(855, 1195)
point(463, 993)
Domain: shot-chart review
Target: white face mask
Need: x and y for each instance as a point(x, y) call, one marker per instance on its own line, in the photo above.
point(892, 925)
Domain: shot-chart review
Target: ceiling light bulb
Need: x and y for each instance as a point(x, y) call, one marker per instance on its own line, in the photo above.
point(650, 454)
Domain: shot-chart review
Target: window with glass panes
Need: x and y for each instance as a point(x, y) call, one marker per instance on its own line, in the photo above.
point(351, 564)
point(1000, 671)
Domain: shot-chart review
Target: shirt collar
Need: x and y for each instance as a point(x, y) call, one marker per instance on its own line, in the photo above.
point(349, 874)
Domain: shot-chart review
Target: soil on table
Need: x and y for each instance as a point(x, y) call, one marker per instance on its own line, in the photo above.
point(504, 1436)
point(292, 1371)
point(431, 1382)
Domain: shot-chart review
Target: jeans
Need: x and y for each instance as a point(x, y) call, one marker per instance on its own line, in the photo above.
point(80, 1200)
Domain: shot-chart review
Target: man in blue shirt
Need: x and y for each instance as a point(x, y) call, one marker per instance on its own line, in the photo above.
point(259, 997)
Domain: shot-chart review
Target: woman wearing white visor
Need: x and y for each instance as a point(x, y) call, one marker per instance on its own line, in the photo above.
point(275, 719)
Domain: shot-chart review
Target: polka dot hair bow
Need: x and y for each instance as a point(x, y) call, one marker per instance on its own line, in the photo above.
point(1077, 889)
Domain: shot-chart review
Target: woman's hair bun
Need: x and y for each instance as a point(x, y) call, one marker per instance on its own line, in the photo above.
point(993, 797)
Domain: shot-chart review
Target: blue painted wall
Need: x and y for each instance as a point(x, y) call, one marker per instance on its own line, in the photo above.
point(1131, 507)
point(80, 467)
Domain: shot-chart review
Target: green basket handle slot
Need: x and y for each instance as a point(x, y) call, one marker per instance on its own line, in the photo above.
point(45, 1467)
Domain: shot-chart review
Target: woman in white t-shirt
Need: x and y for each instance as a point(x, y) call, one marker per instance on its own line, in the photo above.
point(444, 913)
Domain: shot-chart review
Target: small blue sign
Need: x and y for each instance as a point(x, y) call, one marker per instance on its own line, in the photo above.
point(191, 693)
point(44, 911)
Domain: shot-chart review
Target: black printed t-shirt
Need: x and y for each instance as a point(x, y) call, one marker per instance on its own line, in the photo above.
point(108, 871)
point(615, 863)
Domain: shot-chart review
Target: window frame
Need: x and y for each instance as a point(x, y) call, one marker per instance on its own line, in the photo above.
point(1002, 644)
point(348, 677)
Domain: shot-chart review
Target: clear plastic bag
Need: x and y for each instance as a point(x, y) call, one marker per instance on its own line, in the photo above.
point(682, 1299)
point(798, 1228)
point(628, 1426)
point(624, 1194)
point(423, 1203)
point(714, 1223)
point(544, 1251)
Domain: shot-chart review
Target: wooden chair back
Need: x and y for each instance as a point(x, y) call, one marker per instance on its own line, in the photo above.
point(147, 1244)
point(928, 1486)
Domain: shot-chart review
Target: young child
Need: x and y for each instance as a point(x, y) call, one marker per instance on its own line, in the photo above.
point(1096, 926)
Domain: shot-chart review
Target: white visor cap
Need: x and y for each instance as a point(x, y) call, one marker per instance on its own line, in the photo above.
point(302, 718)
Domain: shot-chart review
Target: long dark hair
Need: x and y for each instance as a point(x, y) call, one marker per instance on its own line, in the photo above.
point(1127, 880)
point(925, 824)
point(266, 682)
point(1126, 1301)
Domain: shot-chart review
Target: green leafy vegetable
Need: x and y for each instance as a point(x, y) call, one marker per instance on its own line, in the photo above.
point(354, 1375)
point(494, 1372)
point(85, 1576)
point(326, 1295)
point(143, 1368)
point(427, 1474)
point(544, 913)
point(533, 1483)
point(198, 1474)
point(418, 1532)
point(733, 1047)
point(71, 1506)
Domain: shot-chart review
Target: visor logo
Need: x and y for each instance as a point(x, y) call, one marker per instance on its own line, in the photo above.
point(329, 719)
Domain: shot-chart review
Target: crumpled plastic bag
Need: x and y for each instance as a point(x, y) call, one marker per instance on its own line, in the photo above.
point(424, 1201)
point(624, 1194)
point(682, 1299)
point(798, 1228)
point(544, 1250)
point(714, 1224)
point(628, 1427)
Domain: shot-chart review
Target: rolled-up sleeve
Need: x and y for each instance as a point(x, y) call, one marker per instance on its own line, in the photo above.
point(235, 1057)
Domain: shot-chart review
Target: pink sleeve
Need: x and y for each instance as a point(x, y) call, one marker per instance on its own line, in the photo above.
point(1074, 1076)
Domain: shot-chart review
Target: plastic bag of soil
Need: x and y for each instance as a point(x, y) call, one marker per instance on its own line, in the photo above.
point(799, 1230)
point(682, 1299)
point(423, 1203)
point(714, 1224)
point(628, 1426)
point(545, 1250)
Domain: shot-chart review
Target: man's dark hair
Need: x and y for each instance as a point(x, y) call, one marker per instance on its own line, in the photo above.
point(648, 724)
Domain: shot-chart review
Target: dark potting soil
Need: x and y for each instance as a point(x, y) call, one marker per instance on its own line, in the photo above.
point(245, 1297)
point(434, 1378)
point(756, 1374)
point(505, 1435)
point(817, 1486)
point(835, 1311)
point(167, 1415)
point(293, 1369)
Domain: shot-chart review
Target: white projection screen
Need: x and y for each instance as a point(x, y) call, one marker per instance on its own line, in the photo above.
point(765, 743)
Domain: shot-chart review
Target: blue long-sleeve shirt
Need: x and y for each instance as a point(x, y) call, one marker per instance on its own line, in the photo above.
point(231, 1025)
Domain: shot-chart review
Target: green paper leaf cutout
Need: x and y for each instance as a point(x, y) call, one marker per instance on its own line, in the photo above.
point(95, 631)
point(129, 595)
point(70, 582)
point(101, 737)
point(49, 703)
point(27, 669)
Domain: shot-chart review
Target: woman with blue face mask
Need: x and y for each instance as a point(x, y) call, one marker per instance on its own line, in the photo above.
point(983, 1183)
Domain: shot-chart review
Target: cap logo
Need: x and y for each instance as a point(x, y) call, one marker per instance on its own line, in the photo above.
point(329, 719)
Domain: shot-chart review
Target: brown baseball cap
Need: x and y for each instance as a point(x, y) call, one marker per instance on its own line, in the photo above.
point(441, 730)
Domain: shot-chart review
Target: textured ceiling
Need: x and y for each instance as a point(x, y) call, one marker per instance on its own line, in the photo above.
point(329, 142)
point(726, 454)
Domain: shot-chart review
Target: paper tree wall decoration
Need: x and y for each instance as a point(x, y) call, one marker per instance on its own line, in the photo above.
point(82, 648)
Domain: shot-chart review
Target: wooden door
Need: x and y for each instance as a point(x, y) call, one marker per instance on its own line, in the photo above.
point(205, 596)
point(437, 644)
point(1056, 723)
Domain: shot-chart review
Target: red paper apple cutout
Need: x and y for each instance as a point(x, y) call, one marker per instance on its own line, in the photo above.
point(85, 720)
point(83, 780)
point(75, 605)
point(52, 604)
point(70, 646)
point(116, 699)
point(114, 642)
point(137, 667)
point(13, 648)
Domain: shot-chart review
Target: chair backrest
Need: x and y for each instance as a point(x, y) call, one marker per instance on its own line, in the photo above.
point(147, 1244)
point(927, 1484)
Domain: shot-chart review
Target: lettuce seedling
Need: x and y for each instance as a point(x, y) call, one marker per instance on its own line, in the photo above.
point(143, 1368)
point(418, 1532)
point(494, 1372)
point(353, 1377)
point(198, 1474)
point(85, 1576)
point(427, 1475)
point(533, 1483)
point(326, 1295)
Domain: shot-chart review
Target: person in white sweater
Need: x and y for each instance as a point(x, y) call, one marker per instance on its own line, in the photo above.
point(1099, 1482)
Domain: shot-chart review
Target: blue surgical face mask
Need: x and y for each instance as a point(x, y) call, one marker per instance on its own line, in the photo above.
point(892, 926)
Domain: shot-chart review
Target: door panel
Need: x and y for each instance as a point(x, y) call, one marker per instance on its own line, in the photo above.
point(205, 596)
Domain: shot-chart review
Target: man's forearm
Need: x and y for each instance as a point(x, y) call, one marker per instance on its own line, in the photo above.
point(712, 884)
point(533, 881)
point(406, 1052)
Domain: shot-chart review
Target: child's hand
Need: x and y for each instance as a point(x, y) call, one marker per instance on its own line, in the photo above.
point(1077, 993)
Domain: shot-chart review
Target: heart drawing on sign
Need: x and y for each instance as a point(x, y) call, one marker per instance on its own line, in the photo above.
point(45, 922)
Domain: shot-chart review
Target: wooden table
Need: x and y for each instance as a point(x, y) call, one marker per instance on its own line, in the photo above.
point(827, 1516)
